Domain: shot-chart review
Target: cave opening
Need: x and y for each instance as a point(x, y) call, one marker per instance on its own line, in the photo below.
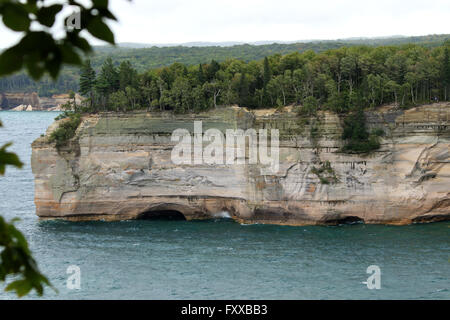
point(161, 215)
point(344, 221)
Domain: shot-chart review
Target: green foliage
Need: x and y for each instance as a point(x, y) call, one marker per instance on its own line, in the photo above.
point(339, 80)
point(314, 131)
point(15, 256)
point(119, 101)
point(144, 59)
point(378, 132)
point(309, 108)
point(64, 114)
point(325, 173)
point(66, 130)
point(87, 81)
point(108, 78)
point(8, 158)
point(16, 259)
point(38, 51)
point(212, 69)
point(358, 140)
point(156, 57)
point(446, 71)
point(446, 65)
point(46, 87)
point(362, 146)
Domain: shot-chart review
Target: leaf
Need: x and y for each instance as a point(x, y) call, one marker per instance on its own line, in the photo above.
point(16, 260)
point(10, 61)
point(22, 287)
point(100, 30)
point(15, 17)
point(47, 15)
point(39, 41)
point(35, 69)
point(79, 42)
point(8, 158)
point(21, 241)
point(105, 13)
point(69, 55)
point(100, 3)
point(53, 66)
point(31, 6)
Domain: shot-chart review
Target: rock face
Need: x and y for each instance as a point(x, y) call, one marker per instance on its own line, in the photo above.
point(14, 100)
point(32, 101)
point(120, 167)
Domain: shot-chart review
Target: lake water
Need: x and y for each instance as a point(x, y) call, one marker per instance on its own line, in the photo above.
point(218, 259)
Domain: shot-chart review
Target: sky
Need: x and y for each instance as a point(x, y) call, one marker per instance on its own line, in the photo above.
point(180, 21)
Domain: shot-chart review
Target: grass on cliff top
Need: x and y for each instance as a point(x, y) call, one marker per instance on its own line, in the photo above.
point(66, 130)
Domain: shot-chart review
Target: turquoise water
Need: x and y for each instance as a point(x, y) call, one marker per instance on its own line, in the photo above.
point(219, 259)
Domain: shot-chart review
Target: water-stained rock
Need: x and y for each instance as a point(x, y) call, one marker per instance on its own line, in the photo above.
point(122, 169)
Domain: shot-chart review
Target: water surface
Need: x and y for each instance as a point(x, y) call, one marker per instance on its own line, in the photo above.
point(218, 258)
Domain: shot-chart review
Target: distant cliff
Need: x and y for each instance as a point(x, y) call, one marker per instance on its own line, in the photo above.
point(32, 101)
point(118, 166)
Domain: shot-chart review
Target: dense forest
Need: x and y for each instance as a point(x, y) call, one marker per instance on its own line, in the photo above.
point(46, 87)
point(156, 57)
point(338, 80)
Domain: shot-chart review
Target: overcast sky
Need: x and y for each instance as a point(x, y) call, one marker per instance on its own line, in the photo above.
point(178, 21)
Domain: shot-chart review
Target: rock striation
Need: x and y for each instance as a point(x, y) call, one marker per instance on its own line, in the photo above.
point(118, 166)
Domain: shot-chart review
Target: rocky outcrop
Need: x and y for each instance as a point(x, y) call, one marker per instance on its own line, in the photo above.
point(13, 100)
point(55, 102)
point(119, 166)
point(23, 108)
point(32, 101)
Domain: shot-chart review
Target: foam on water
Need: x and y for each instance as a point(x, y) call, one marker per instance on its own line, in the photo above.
point(222, 215)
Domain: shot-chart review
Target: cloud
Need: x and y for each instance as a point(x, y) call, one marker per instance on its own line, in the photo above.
point(176, 21)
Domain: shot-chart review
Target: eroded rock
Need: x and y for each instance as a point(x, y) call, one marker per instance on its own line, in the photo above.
point(122, 169)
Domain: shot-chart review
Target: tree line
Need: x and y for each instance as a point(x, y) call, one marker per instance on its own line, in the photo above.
point(338, 80)
point(156, 57)
point(46, 87)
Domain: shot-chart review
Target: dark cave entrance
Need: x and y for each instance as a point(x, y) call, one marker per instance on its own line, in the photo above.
point(161, 215)
point(344, 221)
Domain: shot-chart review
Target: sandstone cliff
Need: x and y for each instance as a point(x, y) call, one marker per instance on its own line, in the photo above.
point(119, 167)
point(33, 102)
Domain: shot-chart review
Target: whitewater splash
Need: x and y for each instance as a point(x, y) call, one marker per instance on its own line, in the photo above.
point(222, 215)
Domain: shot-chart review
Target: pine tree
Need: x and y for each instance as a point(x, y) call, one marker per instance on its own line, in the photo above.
point(212, 69)
point(200, 75)
point(127, 75)
point(267, 75)
point(243, 90)
point(266, 72)
point(107, 81)
point(87, 82)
